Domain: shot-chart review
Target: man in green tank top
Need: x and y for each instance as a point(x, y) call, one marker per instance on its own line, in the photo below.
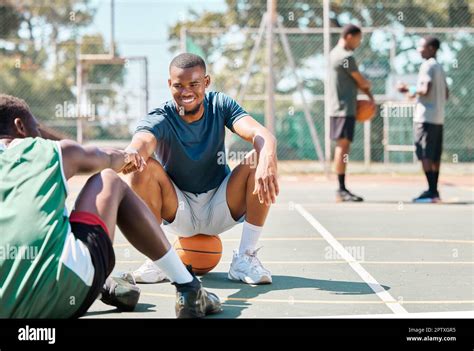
point(54, 265)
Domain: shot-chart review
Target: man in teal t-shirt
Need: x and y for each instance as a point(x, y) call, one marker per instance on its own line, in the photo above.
point(188, 184)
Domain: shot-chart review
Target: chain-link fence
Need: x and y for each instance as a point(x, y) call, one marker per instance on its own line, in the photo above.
point(76, 83)
point(386, 56)
point(105, 101)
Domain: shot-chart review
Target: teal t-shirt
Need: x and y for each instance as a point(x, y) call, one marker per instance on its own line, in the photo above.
point(191, 153)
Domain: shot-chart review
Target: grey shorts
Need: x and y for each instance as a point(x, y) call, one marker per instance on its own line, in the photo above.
point(428, 141)
point(205, 213)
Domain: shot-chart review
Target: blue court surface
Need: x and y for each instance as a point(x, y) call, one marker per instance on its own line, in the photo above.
point(385, 257)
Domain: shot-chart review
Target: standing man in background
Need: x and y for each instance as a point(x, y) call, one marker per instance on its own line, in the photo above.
point(344, 80)
point(431, 93)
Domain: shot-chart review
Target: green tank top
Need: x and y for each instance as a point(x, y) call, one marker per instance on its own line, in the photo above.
point(34, 226)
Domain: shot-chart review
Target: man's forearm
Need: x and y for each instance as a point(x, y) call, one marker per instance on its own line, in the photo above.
point(368, 93)
point(144, 148)
point(421, 90)
point(98, 159)
point(116, 158)
point(265, 143)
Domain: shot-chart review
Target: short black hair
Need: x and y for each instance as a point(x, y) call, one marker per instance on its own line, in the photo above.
point(188, 60)
point(12, 107)
point(432, 41)
point(351, 29)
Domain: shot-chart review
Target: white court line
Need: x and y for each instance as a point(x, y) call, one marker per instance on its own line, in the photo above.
point(388, 299)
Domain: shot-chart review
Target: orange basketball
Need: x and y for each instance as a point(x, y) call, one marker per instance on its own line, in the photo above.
point(202, 252)
point(365, 110)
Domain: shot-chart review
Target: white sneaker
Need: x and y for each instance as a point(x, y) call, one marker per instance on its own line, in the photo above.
point(248, 268)
point(149, 273)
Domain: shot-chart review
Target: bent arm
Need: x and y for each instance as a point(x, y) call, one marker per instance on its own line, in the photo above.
point(250, 130)
point(362, 83)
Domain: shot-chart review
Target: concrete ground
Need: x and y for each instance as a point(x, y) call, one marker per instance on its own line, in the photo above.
point(383, 257)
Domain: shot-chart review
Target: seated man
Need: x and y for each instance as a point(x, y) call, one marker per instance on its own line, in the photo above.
point(183, 143)
point(54, 265)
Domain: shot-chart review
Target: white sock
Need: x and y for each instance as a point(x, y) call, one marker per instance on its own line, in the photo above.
point(174, 268)
point(250, 235)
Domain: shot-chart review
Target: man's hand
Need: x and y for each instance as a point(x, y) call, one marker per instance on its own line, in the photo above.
point(410, 91)
point(91, 159)
point(265, 144)
point(266, 182)
point(402, 88)
point(133, 161)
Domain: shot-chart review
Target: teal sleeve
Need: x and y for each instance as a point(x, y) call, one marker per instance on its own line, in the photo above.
point(232, 110)
point(155, 123)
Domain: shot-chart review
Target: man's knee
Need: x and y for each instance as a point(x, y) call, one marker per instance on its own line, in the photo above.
point(151, 177)
point(344, 143)
point(136, 179)
point(250, 163)
point(109, 176)
point(151, 172)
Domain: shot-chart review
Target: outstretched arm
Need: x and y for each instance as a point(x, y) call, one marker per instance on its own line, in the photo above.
point(91, 159)
point(143, 145)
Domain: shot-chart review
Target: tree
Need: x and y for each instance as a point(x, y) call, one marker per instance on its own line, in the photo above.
point(40, 64)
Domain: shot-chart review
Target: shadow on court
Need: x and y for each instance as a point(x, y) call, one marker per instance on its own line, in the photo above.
point(238, 300)
point(141, 307)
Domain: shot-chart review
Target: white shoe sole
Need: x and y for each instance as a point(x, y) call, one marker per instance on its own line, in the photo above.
point(424, 201)
point(140, 280)
point(248, 280)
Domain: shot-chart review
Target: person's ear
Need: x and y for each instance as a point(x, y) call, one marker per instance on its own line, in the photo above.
point(169, 83)
point(207, 81)
point(20, 127)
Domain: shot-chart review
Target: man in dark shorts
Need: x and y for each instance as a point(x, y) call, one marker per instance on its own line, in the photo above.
point(344, 81)
point(53, 265)
point(431, 93)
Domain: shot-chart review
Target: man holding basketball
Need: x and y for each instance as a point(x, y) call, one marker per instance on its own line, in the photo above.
point(431, 93)
point(188, 185)
point(344, 81)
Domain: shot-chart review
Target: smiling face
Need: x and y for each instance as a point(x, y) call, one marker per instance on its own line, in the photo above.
point(188, 88)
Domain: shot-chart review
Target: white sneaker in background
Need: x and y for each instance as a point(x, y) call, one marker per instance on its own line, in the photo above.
point(149, 273)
